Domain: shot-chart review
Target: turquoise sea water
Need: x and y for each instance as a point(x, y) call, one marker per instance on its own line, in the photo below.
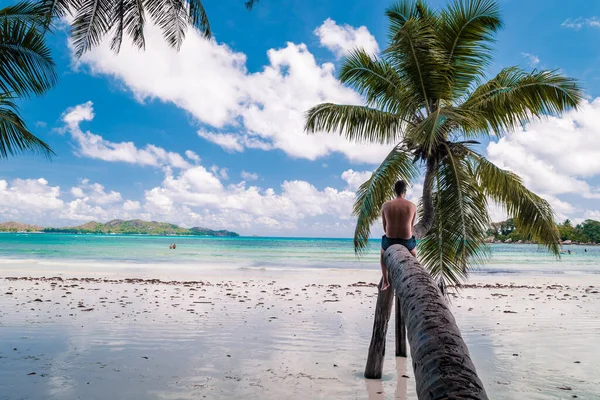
point(262, 252)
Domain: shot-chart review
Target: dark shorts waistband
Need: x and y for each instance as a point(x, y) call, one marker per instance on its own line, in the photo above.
point(386, 242)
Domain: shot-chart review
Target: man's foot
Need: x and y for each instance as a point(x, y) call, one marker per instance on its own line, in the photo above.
point(384, 286)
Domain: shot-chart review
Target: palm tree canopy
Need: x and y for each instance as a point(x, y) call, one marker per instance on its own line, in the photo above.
point(428, 95)
point(26, 68)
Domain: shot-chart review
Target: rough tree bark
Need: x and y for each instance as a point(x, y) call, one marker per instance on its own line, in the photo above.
point(426, 221)
point(442, 366)
point(383, 310)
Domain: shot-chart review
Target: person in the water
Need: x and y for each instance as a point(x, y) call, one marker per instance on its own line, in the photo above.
point(398, 217)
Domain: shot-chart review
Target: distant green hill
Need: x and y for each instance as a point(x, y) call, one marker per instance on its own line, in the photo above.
point(12, 226)
point(121, 227)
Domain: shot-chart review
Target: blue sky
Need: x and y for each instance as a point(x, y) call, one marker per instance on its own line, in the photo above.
point(237, 104)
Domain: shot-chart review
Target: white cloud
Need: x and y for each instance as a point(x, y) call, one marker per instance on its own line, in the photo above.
point(355, 178)
point(578, 23)
point(228, 141)
point(28, 197)
point(192, 156)
point(94, 146)
point(131, 205)
point(343, 38)
point(263, 110)
point(532, 60)
point(555, 155)
point(94, 193)
point(249, 176)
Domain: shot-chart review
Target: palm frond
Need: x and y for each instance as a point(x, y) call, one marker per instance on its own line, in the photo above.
point(378, 189)
point(515, 97)
point(60, 8)
point(415, 50)
point(128, 17)
point(15, 138)
point(456, 241)
point(198, 18)
point(172, 17)
point(379, 83)
point(466, 33)
point(357, 123)
point(533, 215)
point(26, 65)
point(94, 19)
point(30, 13)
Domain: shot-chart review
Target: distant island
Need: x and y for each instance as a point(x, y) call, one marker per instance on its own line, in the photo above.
point(120, 227)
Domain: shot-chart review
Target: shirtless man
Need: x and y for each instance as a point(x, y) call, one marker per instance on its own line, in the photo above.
point(398, 220)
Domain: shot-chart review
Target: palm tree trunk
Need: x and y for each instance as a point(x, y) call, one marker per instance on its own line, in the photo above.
point(426, 221)
point(442, 366)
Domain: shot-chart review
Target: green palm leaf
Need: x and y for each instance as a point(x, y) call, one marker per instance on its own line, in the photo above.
point(532, 215)
point(466, 34)
point(15, 138)
point(380, 84)
point(26, 65)
point(378, 189)
point(515, 97)
point(357, 123)
point(461, 222)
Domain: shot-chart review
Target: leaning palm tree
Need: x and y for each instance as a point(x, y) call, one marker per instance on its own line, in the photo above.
point(26, 68)
point(427, 97)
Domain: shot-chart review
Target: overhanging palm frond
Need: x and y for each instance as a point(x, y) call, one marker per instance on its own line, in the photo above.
point(15, 138)
point(378, 189)
point(358, 123)
point(94, 19)
point(26, 65)
point(128, 16)
point(532, 215)
point(30, 13)
point(461, 222)
point(466, 32)
point(515, 97)
point(379, 83)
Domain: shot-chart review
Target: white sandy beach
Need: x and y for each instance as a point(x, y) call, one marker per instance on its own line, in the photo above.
point(264, 334)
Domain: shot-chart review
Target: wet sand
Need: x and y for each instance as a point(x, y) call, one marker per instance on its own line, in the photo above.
point(273, 335)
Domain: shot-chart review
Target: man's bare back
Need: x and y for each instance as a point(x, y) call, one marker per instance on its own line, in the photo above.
point(398, 217)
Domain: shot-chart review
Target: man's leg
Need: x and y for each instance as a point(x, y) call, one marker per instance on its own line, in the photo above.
point(384, 273)
point(414, 252)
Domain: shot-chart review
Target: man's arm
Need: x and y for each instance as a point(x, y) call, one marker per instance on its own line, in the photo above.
point(383, 220)
point(414, 210)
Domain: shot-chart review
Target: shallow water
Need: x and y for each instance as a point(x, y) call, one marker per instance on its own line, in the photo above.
point(23, 250)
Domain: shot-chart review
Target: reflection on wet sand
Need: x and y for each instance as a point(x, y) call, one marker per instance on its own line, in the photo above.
point(273, 338)
point(376, 390)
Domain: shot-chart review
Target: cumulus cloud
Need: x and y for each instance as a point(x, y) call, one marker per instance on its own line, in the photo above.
point(95, 193)
point(556, 156)
point(95, 146)
point(355, 178)
point(342, 38)
point(261, 110)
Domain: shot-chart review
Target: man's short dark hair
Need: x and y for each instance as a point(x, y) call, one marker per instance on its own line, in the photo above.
point(400, 188)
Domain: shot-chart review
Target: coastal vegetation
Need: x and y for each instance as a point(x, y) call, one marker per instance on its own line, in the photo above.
point(586, 232)
point(121, 227)
point(429, 97)
point(26, 69)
